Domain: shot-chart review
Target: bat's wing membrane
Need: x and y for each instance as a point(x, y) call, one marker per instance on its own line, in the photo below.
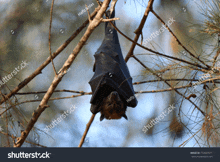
point(111, 72)
point(110, 76)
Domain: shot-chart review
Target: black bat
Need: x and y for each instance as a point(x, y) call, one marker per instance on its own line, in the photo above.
point(111, 84)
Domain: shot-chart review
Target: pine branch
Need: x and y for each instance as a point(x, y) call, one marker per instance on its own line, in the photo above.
point(203, 113)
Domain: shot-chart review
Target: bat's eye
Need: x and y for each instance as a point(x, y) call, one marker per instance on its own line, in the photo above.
point(109, 104)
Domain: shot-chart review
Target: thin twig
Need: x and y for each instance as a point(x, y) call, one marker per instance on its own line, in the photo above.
point(215, 57)
point(170, 89)
point(63, 90)
point(178, 39)
point(99, 3)
point(51, 13)
point(51, 99)
point(189, 138)
point(149, 81)
point(89, 17)
point(164, 90)
point(107, 20)
point(12, 106)
point(203, 113)
point(158, 53)
point(156, 80)
point(14, 137)
point(138, 31)
point(8, 142)
point(87, 129)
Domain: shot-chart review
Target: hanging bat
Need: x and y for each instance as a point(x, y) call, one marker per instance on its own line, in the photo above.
point(111, 84)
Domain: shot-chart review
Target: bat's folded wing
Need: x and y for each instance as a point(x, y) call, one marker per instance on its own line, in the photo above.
point(109, 75)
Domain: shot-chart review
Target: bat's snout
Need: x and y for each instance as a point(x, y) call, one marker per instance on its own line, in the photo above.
point(114, 95)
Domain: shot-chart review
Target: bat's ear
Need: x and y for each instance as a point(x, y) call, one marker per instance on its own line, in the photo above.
point(102, 117)
point(125, 116)
point(94, 109)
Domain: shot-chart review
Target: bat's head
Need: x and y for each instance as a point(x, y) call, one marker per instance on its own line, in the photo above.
point(113, 107)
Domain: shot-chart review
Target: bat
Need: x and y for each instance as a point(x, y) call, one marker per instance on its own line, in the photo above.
point(111, 84)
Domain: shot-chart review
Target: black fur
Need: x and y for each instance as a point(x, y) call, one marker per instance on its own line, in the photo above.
point(111, 81)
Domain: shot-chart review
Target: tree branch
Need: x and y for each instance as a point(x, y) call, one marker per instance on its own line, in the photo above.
point(138, 31)
point(51, 13)
point(158, 53)
point(87, 129)
point(63, 90)
point(94, 23)
point(14, 137)
point(178, 40)
point(203, 113)
point(48, 60)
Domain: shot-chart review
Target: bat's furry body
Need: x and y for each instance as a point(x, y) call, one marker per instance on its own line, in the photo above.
point(111, 84)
